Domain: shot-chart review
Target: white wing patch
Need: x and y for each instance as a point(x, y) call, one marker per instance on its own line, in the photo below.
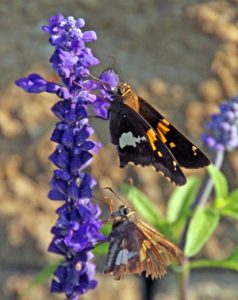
point(127, 139)
point(123, 256)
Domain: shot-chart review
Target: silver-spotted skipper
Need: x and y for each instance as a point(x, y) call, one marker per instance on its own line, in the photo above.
point(143, 136)
point(135, 247)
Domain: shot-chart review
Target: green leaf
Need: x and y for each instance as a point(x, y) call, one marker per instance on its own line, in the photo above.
point(230, 212)
point(219, 180)
point(107, 228)
point(144, 206)
point(181, 200)
point(101, 249)
point(230, 205)
point(233, 197)
point(231, 262)
point(202, 226)
point(233, 256)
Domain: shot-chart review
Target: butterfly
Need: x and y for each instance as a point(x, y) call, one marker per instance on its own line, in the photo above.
point(135, 247)
point(143, 136)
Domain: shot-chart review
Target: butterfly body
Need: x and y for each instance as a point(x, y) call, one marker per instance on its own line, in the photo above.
point(143, 136)
point(135, 247)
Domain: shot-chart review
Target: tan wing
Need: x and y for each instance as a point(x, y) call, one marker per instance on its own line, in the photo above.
point(135, 248)
point(168, 252)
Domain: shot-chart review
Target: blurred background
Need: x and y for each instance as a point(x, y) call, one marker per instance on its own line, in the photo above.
point(182, 56)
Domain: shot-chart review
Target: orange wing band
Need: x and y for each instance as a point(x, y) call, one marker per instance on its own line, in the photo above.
point(162, 130)
point(152, 138)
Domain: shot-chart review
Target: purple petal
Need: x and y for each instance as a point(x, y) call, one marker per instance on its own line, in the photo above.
point(89, 36)
point(56, 195)
point(80, 23)
point(110, 77)
point(101, 107)
point(33, 83)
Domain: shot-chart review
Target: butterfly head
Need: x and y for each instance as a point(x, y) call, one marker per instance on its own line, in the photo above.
point(123, 212)
point(123, 89)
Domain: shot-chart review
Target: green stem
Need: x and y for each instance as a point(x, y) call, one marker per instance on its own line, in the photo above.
point(200, 200)
point(198, 264)
point(202, 196)
point(183, 279)
point(208, 181)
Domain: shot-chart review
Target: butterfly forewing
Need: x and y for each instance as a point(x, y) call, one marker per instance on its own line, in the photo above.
point(138, 142)
point(143, 136)
point(169, 252)
point(185, 152)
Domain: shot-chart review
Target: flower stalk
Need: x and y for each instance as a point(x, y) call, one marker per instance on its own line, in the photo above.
point(77, 229)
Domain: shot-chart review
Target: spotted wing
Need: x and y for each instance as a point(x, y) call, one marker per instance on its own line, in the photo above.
point(138, 142)
point(133, 251)
point(186, 153)
point(123, 253)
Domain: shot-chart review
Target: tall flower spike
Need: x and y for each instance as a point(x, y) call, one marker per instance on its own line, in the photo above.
point(222, 130)
point(77, 229)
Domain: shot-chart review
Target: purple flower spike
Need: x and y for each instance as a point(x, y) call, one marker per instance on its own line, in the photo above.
point(222, 130)
point(77, 229)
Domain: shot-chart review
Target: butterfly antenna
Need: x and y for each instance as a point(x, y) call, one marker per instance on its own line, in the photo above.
point(102, 82)
point(78, 84)
point(115, 194)
point(99, 95)
point(116, 64)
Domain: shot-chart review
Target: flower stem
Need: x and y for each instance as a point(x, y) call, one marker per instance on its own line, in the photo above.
point(208, 184)
point(203, 195)
point(183, 279)
point(201, 199)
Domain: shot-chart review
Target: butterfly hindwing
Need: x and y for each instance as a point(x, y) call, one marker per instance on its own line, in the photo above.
point(123, 254)
point(139, 143)
point(185, 152)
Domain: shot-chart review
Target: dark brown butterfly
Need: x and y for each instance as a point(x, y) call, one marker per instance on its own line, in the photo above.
point(143, 136)
point(135, 247)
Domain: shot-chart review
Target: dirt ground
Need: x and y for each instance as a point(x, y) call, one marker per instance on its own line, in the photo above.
point(180, 55)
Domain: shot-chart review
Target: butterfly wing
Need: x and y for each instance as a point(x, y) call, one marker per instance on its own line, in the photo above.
point(123, 253)
point(133, 251)
point(185, 152)
point(169, 252)
point(139, 143)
